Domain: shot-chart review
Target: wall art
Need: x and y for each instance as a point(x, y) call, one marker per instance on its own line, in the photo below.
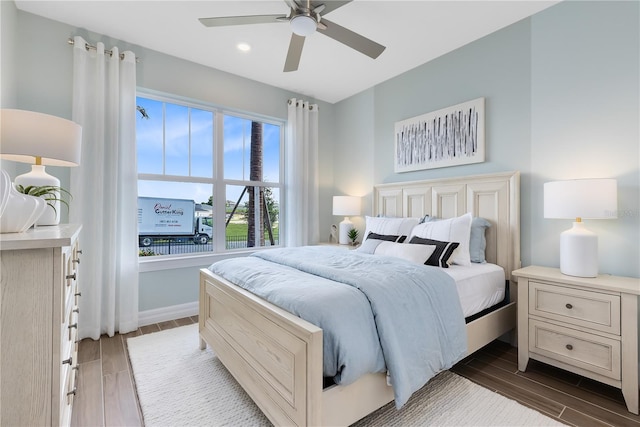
point(448, 137)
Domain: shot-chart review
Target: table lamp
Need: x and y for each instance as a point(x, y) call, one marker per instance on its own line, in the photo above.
point(345, 206)
point(40, 139)
point(580, 199)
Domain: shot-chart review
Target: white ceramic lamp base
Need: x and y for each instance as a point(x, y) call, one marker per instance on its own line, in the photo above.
point(579, 252)
point(345, 226)
point(39, 177)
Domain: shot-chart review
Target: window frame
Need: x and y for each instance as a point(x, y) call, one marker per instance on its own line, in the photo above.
point(218, 182)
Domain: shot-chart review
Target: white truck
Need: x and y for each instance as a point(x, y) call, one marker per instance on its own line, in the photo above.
point(161, 218)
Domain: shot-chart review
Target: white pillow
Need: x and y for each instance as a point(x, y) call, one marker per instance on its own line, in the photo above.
point(411, 252)
point(389, 226)
point(449, 230)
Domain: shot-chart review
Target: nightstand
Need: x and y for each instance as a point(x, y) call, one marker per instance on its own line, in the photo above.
point(584, 325)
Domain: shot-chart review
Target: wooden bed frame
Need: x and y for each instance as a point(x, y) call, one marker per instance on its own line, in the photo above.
point(277, 357)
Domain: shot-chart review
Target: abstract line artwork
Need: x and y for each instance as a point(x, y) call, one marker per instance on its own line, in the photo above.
point(448, 137)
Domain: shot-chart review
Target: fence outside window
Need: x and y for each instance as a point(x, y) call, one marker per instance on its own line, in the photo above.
point(175, 246)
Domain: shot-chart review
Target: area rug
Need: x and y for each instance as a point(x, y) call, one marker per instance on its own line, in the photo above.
point(180, 385)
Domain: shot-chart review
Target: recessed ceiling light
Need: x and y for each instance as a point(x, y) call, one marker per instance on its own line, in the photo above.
point(244, 47)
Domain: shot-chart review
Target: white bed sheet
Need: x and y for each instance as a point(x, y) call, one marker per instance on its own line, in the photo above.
point(479, 286)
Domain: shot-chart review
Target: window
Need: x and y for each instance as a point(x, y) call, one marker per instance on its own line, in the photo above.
point(209, 180)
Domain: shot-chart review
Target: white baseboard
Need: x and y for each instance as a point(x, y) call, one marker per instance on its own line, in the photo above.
point(163, 314)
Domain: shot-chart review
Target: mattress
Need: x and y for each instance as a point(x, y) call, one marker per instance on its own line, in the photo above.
point(480, 286)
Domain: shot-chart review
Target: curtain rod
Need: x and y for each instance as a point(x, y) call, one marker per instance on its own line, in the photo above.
point(92, 47)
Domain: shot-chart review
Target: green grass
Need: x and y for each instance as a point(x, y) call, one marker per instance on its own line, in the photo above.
point(240, 229)
point(234, 229)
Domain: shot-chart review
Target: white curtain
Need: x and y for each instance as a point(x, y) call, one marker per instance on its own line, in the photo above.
point(104, 189)
point(302, 216)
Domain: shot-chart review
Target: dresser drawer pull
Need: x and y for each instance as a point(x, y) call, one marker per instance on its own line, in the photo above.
point(72, 392)
point(569, 306)
point(76, 261)
point(69, 361)
point(71, 276)
point(77, 294)
point(569, 347)
point(76, 310)
point(79, 251)
point(75, 325)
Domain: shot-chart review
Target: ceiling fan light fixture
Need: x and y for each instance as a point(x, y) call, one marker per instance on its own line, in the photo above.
point(303, 25)
point(243, 47)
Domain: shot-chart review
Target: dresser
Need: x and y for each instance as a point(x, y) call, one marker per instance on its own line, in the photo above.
point(584, 325)
point(39, 322)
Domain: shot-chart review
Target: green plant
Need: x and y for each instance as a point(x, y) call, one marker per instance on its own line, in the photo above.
point(146, 252)
point(50, 193)
point(353, 234)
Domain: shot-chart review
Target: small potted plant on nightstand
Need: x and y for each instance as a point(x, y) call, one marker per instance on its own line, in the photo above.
point(353, 235)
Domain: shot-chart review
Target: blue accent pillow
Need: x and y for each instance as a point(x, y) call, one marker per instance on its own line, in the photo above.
point(477, 239)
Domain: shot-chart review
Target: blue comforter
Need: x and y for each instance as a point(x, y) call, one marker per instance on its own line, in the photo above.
point(377, 313)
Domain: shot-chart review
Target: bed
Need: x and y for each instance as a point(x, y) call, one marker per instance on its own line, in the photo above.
point(277, 357)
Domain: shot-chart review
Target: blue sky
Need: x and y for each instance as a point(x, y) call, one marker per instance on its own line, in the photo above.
point(188, 150)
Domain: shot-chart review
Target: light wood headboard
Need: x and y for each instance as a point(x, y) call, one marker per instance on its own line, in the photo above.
point(495, 197)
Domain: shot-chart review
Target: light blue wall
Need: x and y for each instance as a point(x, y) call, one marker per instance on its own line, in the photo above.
point(560, 86)
point(585, 117)
point(43, 82)
point(8, 78)
point(561, 91)
point(354, 152)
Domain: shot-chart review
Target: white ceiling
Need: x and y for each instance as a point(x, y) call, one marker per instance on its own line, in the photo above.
point(414, 32)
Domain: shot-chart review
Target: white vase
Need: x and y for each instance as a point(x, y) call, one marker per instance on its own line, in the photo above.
point(5, 190)
point(39, 177)
point(21, 211)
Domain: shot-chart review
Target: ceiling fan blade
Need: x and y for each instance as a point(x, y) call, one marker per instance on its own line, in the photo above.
point(224, 21)
point(351, 39)
point(329, 5)
point(294, 53)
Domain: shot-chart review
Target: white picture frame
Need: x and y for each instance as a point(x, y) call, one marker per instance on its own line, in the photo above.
point(447, 137)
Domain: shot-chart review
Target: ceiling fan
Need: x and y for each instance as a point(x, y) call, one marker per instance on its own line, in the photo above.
point(305, 18)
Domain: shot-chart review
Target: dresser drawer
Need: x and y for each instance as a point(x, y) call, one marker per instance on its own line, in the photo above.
point(589, 309)
point(590, 352)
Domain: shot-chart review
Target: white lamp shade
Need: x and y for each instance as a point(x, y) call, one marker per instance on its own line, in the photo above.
point(26, 135)
point(581, 198)
point(346, 205)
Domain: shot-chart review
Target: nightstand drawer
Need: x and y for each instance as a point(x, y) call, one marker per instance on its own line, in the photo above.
point(594, 310)
point(590, 352)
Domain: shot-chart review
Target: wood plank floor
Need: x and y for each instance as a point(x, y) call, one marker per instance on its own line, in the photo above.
point(107, 396)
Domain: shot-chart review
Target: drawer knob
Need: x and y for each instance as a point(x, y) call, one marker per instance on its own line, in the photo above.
point(76, 261)
point(75, 325)
point(569, 347)
point(72, 392)
point(79, 251)
point(71, 276)
point(69, 361)
point(77, 294)
point(76, 310)
point(569, 306)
